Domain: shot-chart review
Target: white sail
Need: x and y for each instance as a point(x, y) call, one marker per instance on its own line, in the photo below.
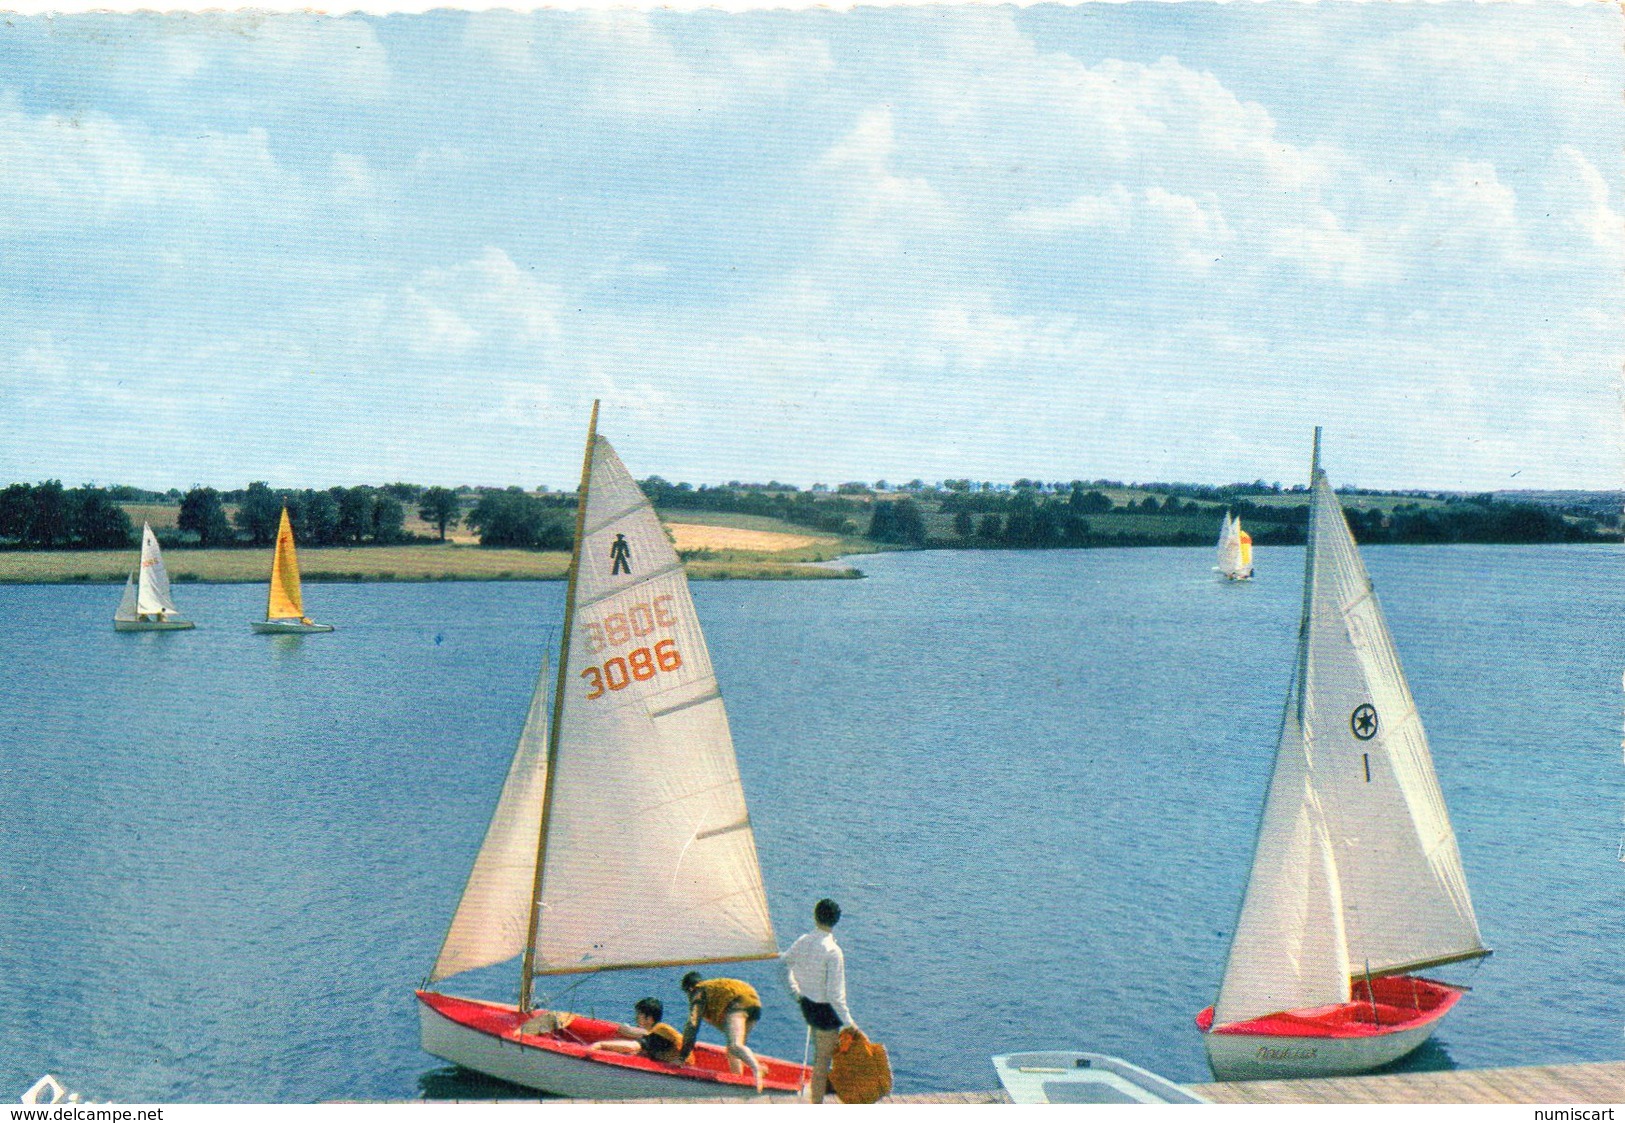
point(649, 856)
point(492, 917)
point(1289, 951)
point(1404, 891)
point(1229, 546)
point(153, 594)
point(1356, 868)
point(126, 604)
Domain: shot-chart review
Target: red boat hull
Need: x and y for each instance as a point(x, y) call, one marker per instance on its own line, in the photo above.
point(1378, 1026)
point(485, 1037)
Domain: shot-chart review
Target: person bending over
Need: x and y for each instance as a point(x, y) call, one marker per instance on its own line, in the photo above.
point(730, 1005)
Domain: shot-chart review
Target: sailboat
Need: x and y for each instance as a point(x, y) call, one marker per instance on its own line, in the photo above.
point(1357, 882)
point(146, 605)
point(621, 838)
point(285, 609)
point(1235, 551)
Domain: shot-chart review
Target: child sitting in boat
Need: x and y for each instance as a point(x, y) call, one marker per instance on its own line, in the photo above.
point(733, 1007)
point(649, 1036)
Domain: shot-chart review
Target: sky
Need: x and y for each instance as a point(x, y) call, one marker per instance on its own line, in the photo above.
point(1137, 241)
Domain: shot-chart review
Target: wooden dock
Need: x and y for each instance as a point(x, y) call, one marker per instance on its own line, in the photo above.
point(1600, 1083)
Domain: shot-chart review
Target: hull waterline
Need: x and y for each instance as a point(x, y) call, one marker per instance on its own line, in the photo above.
point(485, 1037)
point(1355, 1037)
point(283, 628)
point(152, 625)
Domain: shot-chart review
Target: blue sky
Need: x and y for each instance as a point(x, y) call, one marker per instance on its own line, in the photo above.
point(1135, 241)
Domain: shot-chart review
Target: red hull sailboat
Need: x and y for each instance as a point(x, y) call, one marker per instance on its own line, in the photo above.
point(1356, 881)
point(637, 735)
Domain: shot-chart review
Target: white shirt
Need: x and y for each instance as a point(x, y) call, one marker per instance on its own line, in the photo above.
point(815, 969)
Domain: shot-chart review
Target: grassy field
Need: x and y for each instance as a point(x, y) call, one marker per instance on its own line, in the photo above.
point(372, 563)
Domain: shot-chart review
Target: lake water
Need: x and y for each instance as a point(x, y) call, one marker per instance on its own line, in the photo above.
point(1031, 779)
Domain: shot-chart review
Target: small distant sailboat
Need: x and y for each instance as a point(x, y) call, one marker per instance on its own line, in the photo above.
point(1356, 881)
point(1235, 551)
point(638, 735)
point(146, 606)
point(285, 610)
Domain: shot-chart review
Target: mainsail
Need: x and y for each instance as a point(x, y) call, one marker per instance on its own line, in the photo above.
point(1235, 548)
point(647, 853)
point(285, 600)
point(1356, 869)
point(152, 596)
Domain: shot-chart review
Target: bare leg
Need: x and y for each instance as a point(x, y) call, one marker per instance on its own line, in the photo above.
point(824, 1041)
point(738, 1027)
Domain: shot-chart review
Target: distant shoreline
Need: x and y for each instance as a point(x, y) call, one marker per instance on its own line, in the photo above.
point(365, 565)
point(362, 565)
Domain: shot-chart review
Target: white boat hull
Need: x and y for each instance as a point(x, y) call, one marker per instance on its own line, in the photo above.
point(563, 1074)
point(152, 625)
point(288, 628)
point(1253, 1057)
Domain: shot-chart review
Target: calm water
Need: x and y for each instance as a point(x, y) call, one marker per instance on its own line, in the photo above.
point(1031, 779)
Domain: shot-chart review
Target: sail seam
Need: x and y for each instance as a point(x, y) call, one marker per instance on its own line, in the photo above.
point(661, 572)
point(641, 503)
point(708, 696)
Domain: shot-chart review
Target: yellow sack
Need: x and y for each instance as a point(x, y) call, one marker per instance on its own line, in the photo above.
point(860, 1072)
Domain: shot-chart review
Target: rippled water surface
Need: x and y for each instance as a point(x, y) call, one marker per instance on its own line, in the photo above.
point(1032, 780)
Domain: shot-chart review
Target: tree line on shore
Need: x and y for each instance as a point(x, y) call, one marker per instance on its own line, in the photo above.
point(956, 514)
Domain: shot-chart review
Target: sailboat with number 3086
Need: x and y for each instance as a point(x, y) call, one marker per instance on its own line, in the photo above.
point(1356, 881)
point(637, 738)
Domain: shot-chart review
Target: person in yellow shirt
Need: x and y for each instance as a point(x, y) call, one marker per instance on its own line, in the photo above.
point(733, 1007)
point(649, 1036)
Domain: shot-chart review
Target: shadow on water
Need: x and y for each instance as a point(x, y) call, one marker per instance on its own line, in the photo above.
point(453, 1082)
point(1431, 1057)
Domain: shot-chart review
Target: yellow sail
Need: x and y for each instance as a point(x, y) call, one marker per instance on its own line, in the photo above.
point(1246, 551)
point(285, 599)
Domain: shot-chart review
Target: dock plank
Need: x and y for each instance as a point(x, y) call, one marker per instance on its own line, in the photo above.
point(1598, 1082)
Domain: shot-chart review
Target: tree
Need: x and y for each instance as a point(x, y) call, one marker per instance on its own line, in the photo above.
point(964, 524)
point(99, 523)
point(315, 517)
point(260, 513)
point(16, 511)
point(388, 519)
point(355, 513)
point(203, 514)
point(440, 506)
point(991, 527)
point(48, 521)
point(512, 518)
point(897, 521)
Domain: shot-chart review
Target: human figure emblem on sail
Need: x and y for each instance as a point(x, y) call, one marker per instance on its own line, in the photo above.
point(1356, 881)
point(620, 556)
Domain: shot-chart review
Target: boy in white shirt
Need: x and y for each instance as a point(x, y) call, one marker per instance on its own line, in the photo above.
point(815, 970)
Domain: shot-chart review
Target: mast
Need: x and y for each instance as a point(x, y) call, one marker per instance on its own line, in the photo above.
point(526, 974)
point(1308, 584)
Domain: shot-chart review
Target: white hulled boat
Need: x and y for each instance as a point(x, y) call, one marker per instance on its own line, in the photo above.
point(1235, 551)
point(621, 838)
point(147, 605)
point(285, 607)
point(1356, 880)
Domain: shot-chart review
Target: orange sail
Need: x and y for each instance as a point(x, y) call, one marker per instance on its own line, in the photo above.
point(1246, 548)
point(285, 603)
